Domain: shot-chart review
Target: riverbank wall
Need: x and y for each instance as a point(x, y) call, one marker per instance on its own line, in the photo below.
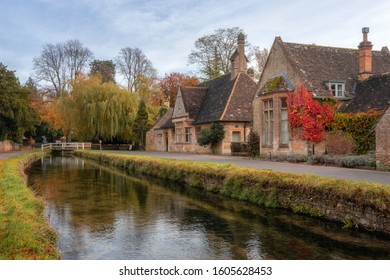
point(352, 204)
point(25, 232)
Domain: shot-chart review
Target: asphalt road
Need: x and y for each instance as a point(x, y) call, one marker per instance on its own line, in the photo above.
point(327, 171)
point(10, 154)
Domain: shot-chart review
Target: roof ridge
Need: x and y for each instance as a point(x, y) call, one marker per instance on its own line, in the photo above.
point(328, 47)
point(319, 46)
point(230, 96)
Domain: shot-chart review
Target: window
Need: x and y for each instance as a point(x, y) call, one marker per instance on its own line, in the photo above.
point(283, 122)
point(337, 88)
point(197, 131)
point(236, 136)
point(188, 135)
point(179, 132)
point(268, 122)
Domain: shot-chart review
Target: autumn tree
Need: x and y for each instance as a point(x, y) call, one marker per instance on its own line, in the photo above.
point(308, 119)
point(96, 110)
point(105, 69)
point(169, 86)
point(212, 52)
point(134, 66)
point(16, 114)
point(59, 63)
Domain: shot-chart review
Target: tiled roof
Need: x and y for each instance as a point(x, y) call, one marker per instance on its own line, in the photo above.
point(220, 99)
point(224, 93)
point(371, 94)
point(193, 97)
point(317, 64)
point(165, 121)
point(214, 102)
point(239, 107)
point(277, 83)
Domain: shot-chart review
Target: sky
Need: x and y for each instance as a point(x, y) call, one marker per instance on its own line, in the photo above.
point(166, 30)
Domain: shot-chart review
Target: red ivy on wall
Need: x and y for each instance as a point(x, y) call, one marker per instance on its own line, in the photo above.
point(307, 117)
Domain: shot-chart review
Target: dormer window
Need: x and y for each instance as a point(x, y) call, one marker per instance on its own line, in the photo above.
point(336, 88)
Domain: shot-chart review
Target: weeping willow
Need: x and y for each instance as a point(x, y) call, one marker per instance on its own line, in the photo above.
point(96, 110)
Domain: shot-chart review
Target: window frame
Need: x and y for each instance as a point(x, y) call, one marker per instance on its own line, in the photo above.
point(334, 88)
point(268, 131)
point(188, 134)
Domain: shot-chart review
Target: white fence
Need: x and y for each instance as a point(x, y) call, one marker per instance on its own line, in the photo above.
point(66, 146)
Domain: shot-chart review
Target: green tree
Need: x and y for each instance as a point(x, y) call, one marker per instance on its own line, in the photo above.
point(211, 136)
point(16, 114)
point(141, 125)
point(96, 110)
point(212, 52)
point(104, 68)
point(253, 144)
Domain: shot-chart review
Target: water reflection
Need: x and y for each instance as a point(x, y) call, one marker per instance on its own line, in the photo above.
point(102, 213)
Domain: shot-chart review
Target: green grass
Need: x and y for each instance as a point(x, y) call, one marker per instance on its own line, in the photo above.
point(305, 194)
point(24, 231)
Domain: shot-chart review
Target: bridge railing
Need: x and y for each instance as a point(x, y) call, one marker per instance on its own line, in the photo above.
point(67, 146)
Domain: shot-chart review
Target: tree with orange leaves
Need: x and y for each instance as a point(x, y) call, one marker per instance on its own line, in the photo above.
point(169, 84)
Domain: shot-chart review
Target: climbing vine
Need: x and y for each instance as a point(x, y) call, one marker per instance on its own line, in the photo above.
point(360, 126)
point(308, 118)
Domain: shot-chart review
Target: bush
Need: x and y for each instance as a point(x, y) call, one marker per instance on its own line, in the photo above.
point(339, 143)
point(357, 161)
point(211, 136)
point(253, 144)
point(238, 148)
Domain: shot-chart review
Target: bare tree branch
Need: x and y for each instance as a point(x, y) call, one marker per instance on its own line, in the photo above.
point(134, 66)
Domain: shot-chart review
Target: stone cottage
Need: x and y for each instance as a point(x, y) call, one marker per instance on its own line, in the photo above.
point(325, 71)
point(226, 99)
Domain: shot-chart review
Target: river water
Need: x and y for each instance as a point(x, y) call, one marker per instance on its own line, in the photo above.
point(103, 213)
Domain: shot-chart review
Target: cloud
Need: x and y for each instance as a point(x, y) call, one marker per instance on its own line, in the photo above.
point(166, 30)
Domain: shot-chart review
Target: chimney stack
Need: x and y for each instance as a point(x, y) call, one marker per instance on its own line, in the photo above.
point(238, 59)
point(365, 56)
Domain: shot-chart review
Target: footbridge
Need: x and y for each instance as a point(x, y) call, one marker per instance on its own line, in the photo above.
point(66, 146)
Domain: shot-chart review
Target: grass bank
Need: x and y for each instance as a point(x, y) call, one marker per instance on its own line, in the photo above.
point(24, 230)
point(355, 204)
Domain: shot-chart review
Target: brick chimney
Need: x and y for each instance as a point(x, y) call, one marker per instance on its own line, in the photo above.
point(365, 56)
point(238, 59)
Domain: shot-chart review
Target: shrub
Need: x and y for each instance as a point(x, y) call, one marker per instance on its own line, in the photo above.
point(253, 144)
point(238, 148)
point(339, 143)
point(211, 136)
point(357, 161)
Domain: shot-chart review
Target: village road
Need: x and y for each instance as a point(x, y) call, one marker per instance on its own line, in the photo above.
point(10, 154)
point(327, 171)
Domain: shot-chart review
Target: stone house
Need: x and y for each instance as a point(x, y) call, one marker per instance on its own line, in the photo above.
point(226, 99)
point(325, 71)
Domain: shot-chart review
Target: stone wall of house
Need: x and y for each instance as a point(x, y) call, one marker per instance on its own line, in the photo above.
point(159, 139)
point(6, 146)
point(383, 141)
point(256, 114)
point(151, 141)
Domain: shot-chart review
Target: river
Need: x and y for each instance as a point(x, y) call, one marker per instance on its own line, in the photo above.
point(103, 213)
